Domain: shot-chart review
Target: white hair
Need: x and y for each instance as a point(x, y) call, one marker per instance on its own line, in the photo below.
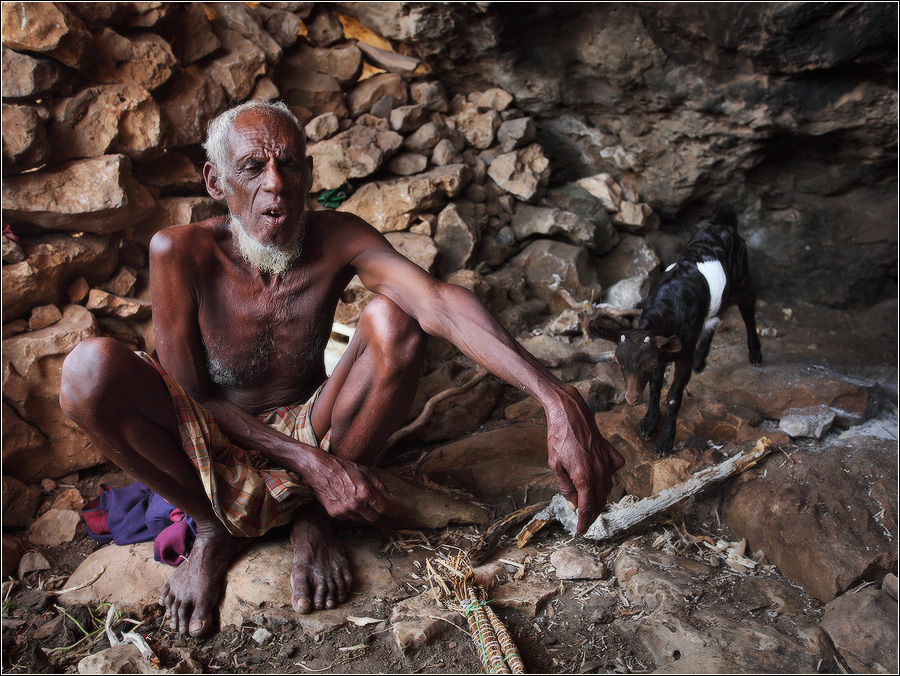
point(216, 144)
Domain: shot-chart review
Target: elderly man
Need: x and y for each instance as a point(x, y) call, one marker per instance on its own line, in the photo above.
point(237, 424)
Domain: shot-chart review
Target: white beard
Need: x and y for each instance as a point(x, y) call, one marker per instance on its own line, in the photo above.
point(268, 258)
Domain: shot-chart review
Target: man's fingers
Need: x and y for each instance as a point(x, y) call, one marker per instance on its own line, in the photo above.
point(566, 488)
point(587, 510)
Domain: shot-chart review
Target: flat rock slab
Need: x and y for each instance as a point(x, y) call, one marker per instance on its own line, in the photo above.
point(779, 637)
point(494, 463)
point(258, 589)
point(825, 517)
point(126, 576)
point(863, 627)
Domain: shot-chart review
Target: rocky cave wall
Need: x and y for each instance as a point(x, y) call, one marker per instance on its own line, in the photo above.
point(544, 156)
point(788, 111)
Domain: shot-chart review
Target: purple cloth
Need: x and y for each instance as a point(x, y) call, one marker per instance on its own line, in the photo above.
point(137, 514)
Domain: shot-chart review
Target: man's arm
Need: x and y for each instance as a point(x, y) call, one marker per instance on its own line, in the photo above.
point(581, 458)
point(177, 259)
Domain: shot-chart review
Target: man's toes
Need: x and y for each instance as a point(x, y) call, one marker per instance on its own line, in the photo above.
point(300, 599)
point(199, 624)
point(321, 594)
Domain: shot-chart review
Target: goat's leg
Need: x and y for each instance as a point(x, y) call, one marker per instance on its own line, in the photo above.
point(673, 399)
point(703, 344)
point(747, 308)
point(651, 419)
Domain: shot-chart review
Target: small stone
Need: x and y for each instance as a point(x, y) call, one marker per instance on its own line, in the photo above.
point(406, 164)
point(405, 119)
point(523, 173)
point(105, 303)
point(445, 153)
point(43, 316)
point(324, 29)
point(889, 584)
point(121, 283)
point(69, 499)
point(30, 562)
point(12, 251)
point(262, 635)
point(78, 290)
point(604, 188)
point(493, 99)
point(48, 485)
point(636, 218)
point(810, 422)
point(431, 95)
point(516, 133)
point(321, 127)
point(54, 527)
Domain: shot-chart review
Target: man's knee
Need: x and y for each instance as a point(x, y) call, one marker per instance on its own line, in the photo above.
point(89, 375)
point(386, 325)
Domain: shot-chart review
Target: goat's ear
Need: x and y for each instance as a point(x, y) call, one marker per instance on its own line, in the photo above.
point(614, 335)
point(672, 344)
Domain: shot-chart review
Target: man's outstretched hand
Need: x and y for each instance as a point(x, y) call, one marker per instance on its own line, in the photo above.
point(583, 461)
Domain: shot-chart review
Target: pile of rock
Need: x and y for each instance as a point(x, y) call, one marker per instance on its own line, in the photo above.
point(104, 108)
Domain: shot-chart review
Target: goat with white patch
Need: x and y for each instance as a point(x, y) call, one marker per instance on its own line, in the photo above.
point(680, 316)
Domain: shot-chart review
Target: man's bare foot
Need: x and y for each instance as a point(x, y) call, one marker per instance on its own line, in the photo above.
point(193, 588)
point(320, 573)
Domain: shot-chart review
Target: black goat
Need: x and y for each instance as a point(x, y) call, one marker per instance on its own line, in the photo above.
point(679, 318)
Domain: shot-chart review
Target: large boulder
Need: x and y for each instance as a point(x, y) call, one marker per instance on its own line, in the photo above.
point(92, 195)
point(189, 101)
point(32, 366)
point(107, 119)
point(394, 204)
point(146, 59)
point(356, 153)
point(825, 517)
point(556, 269)
point(51, 263)
point(24, 137)
point(49, 28)
point(26, 76)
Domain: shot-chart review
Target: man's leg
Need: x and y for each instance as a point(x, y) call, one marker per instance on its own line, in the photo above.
point(366, 399)
point(123, 405)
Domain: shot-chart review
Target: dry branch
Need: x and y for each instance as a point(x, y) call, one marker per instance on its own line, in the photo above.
point(428, 409)
point(478, 552)
point(621, 518)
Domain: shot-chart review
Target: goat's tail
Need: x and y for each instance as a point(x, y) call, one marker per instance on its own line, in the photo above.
point(724, 215)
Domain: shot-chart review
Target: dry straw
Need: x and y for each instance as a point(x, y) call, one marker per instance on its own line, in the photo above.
point(453, 584)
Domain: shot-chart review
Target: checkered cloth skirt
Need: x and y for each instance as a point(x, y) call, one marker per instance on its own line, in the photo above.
point(248, 494)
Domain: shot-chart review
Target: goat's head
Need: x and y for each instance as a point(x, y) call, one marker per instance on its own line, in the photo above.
point(638, 354)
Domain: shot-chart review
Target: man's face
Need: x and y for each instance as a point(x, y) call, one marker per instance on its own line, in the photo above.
point(267, 175)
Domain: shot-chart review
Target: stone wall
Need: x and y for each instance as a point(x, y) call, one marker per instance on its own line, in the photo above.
point(788, 111)
point(531, 166)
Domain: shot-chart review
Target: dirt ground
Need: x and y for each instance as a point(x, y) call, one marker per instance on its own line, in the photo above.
point(568, 634)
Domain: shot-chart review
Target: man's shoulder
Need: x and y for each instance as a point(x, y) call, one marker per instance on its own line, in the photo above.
point(193, 239)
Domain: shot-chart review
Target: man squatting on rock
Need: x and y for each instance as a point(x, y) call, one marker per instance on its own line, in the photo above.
point(237, 425)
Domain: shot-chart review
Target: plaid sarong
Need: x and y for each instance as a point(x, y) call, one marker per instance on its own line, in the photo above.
point(247, 493)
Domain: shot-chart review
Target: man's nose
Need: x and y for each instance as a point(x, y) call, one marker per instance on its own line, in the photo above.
point(272, 179)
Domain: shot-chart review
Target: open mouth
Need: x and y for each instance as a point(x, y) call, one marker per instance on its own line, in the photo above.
point(274, 215)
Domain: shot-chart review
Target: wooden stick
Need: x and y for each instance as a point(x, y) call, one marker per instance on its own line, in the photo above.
point(621, 519)
point(428, 409)
point(478, 552)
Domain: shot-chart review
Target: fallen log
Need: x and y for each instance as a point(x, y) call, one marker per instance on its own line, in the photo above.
point(621, 518)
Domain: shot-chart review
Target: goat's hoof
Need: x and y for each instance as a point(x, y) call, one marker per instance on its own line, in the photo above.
point(664, 449)
point(756, 358)
point(648, 432)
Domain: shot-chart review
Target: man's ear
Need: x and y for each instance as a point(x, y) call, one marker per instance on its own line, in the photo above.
point(213, 183)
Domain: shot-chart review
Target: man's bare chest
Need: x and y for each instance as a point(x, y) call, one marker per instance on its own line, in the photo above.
point(254, 336)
